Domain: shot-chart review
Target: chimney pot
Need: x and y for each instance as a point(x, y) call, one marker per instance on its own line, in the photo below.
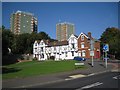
point(89, 34)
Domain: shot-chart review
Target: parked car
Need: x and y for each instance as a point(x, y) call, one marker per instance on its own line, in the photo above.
point(79, 58)
point(107, 58)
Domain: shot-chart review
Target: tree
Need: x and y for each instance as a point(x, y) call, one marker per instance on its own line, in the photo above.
point(20, 43)
point(7, 39)
point(33, 37)
point(111, 36)
point(23, 43)
point(43, 35)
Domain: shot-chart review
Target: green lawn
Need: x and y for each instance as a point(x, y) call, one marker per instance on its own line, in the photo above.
point(25, 69)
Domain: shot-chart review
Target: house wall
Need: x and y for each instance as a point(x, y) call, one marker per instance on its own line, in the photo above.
point(86, 48)
point(74, 48)
point(97, 50)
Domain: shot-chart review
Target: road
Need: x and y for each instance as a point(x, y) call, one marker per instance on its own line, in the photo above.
point(104, 80)
point(93, 77)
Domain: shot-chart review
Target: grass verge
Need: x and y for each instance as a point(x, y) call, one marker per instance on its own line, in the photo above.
point(26, 69)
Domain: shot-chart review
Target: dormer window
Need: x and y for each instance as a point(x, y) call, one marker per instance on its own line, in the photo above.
point(41, 43)
point(82, 37)
point(35, 44)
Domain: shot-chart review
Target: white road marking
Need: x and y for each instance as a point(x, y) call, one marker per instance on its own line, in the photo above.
point(75, 76)
point(115, 70)
point(81, 75)
point(91, 74)
point(116, 77)
point(90, 86)
point(69, 79)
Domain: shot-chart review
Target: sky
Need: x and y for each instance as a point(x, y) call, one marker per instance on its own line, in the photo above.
point(92, 17)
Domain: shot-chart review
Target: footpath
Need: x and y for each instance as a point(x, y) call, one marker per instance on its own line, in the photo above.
point(99, 67)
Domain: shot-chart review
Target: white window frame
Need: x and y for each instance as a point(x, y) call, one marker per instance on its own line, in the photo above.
point(82, 37)
point(82, 45)
point(83, 53)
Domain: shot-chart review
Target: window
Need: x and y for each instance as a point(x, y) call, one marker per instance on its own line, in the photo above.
point(82, 45)
point(65, 54)
point(54, 48)
point(42, 56)
point(35, 49)
point(73, 46)
point(72, 39)
point(41, 43)
point(35, 44)
point(83, 54)
point(42, 49)
point(72, 53)
point(82, 37)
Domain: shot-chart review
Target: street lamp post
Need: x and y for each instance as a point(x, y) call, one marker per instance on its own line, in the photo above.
point(92, 50)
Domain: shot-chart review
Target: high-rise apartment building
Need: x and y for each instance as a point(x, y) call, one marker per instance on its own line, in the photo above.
point(23, 22)
point(64, 31)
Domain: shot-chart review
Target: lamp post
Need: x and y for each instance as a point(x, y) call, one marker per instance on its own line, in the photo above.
point(92, 50)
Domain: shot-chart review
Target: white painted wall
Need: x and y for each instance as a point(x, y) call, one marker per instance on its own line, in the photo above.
point(61, 52)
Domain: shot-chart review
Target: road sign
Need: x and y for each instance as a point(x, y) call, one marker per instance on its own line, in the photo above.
point(106, 47)
point(91, 53)
point(79, 64)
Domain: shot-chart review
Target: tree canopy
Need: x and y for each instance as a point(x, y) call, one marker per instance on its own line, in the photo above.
point(20, 44)
point(111, 36)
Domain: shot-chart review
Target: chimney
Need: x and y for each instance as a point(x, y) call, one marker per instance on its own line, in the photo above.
point(89, 35)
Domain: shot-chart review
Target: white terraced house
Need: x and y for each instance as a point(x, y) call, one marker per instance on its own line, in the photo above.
point(58, 50)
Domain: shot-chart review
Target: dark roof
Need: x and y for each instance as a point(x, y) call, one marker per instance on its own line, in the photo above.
point(96, 40)
point(58, 43)
point(76, 36)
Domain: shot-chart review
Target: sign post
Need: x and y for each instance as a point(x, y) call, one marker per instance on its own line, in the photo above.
point(106, 59)
point(106, 48)
point(92, 54)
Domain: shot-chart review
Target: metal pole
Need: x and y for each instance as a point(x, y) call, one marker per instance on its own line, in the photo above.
point(92, 62)
point(103, 55)
point(106, 59)
point(59, 52)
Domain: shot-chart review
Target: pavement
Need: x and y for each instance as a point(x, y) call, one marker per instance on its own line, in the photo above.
point(99, 67)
